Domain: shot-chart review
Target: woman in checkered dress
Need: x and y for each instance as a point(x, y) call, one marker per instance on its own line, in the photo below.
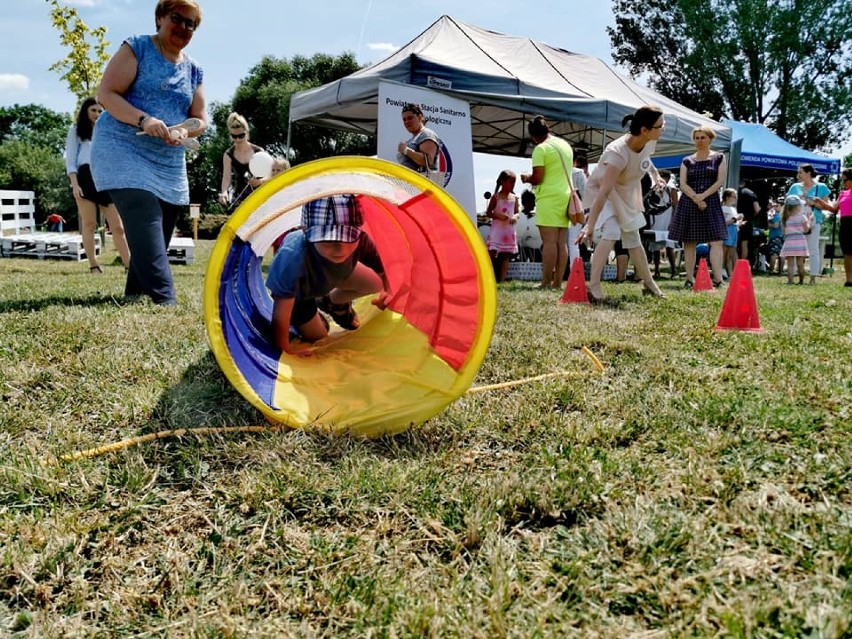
point(699, 217)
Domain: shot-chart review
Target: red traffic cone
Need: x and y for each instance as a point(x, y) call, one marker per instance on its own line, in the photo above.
point(702, 280)
point(575, 289)
point(739, 311)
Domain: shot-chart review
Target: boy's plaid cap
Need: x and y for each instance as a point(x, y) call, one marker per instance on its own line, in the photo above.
point(332, 219)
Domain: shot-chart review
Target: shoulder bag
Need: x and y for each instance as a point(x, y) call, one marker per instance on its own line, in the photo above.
point(575, 210)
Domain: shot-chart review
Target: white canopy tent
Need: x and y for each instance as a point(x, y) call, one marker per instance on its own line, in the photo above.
point(506, 79)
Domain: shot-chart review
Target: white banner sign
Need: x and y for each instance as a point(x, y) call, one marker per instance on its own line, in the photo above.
point(449, 118)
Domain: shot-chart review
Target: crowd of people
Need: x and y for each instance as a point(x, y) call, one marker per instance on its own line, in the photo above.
point(126, 155)
point(633, 212)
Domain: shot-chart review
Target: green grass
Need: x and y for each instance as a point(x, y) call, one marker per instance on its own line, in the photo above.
point(699, 487)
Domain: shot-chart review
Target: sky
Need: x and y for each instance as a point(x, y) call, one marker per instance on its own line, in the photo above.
point(233, 37)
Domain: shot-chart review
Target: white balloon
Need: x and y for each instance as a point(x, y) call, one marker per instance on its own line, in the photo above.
point(260, 164)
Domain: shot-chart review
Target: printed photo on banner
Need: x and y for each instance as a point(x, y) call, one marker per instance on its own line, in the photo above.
point(432, 137)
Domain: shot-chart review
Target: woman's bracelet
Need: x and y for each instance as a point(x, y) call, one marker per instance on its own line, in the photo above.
point(142, 119)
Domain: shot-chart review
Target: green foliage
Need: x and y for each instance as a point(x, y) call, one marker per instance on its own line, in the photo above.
point(36, 168)
point(83, 67)
point(35, 125)
point(263, 98)
point(32, 139)
point(785, 64)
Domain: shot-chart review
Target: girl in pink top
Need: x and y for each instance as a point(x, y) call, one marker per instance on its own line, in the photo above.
point(503, 211)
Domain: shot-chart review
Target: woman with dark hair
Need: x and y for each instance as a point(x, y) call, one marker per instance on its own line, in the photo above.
point(614, 196)
point(78, 154)
point(151, 86)
point(844, 206)
point(809, 190)
point(552, 161)
point(698, 218)
point(420, 152)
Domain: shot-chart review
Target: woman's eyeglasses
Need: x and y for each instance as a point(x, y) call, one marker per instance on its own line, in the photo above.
point(237, 136)
point(188, 23)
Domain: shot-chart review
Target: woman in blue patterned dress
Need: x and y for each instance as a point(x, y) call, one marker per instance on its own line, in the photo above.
point(149, 86)
point(698, 218)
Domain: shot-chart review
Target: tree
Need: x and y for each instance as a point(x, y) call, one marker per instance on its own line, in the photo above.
point(783, 63)
point(83, 67)
point(263, 97)
point(32, 138)
point(35, 125)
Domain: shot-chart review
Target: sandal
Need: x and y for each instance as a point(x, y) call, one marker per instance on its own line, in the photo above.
point(96, 270)
point(688, 284)
point(342, 314)
point(593, 299)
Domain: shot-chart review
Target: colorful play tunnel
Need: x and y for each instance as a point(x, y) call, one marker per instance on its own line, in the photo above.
point(404, 364)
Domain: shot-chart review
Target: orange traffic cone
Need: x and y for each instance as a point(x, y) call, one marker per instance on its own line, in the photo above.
point(575, 289)
point(702, 280)
point(739, 311)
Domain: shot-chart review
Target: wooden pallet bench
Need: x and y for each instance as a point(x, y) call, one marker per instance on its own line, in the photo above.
point(182, 250)
point(64, 246)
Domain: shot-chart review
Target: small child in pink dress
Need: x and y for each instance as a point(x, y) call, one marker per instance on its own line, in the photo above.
point(503, 238)
point(796, 223)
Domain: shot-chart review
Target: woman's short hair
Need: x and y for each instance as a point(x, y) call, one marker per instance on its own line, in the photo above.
point(706, 130)
point(236, 121)
point(847, 174)
point(809, 169)
point(165, 7)
point(728, 193)
point(413, 108)
point(537, 127)
point(644, 117)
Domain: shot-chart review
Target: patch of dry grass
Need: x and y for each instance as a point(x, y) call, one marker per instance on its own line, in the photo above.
point(699, 487)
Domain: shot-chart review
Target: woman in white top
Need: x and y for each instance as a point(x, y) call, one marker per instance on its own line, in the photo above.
point(614, 195)
point(78, 155)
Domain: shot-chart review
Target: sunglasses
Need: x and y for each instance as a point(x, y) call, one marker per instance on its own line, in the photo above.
point(188, 23)
point(237, 136)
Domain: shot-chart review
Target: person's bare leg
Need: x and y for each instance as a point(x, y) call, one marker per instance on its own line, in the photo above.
point(503, 267)
point(689, 261)
point(672, 259)
point(621, 262)
point(363, 281)
point(313, 330)
point(117, 229)
point(600, 256)
point(716, 250)
point(88, 212)
point(561, 257)
point(549, 253)
point(640, 267)
point(743, 249)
